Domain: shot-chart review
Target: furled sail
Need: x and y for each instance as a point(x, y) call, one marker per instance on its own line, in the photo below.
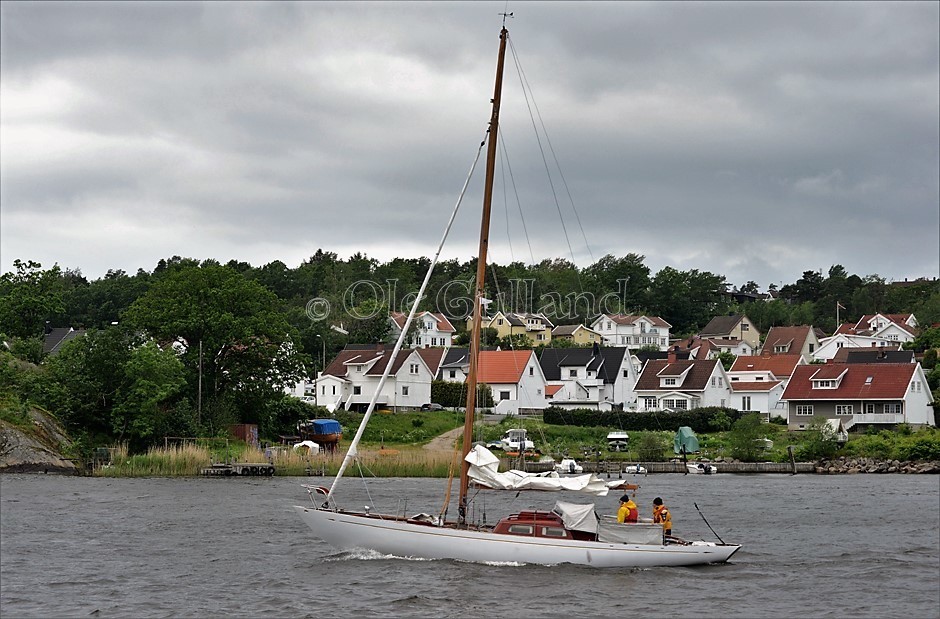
point(484, 471)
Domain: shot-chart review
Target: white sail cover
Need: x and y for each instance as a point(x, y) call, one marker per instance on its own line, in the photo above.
point(576, 516)
point(484, 470)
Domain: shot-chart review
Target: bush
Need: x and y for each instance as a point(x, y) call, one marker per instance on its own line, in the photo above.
point(698, 419)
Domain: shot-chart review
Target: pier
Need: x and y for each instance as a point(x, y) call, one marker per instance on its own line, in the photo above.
point(243, 469)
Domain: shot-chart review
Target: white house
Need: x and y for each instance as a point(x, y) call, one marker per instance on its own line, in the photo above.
point(758, 396)
point(352, 378)
point(433, 329)
point(860, 393)
point(516, 380)
point(632, 331)
point(682, 384)
point(588, 377)
point(830, 346)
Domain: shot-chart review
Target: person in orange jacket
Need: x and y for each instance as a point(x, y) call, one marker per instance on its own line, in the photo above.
point(628, 511)
point(661, 515)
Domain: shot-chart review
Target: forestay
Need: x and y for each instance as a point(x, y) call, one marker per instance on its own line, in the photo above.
point(484, 471)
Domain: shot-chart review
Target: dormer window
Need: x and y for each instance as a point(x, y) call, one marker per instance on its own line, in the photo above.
point(824, 384)
point(781, 348)
point(669, 382)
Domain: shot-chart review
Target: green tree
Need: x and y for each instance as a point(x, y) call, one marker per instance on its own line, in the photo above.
point(152, 378)
point(246, 340)
point(28, 298)
point(727, 359)
point(744, 438)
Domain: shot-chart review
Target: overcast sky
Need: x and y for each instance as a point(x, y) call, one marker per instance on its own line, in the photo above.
point(755, 141)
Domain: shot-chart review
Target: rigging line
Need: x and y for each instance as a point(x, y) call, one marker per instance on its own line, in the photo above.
point(502, 172)
point(551, 148)
point(512, 179)
point(525, 93)
point(352, 451)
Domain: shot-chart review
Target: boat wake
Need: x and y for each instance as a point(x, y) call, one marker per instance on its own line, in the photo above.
point(360, 554)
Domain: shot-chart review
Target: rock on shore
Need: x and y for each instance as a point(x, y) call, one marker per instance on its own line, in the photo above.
point(36, 451)
point(851, 466)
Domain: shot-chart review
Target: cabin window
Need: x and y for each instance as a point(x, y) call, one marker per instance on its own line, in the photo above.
point(844, 409)
point(554, 532)
point(521, 529)
point(804, 410)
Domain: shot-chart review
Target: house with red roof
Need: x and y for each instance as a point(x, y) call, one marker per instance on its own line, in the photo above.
point(830, 346)
point(681, 384)
point(631, 331)
point(758, 382)
point(514, 376)
point(884, 394)
point(801, 340)
point(352, 378)
point(432, 329)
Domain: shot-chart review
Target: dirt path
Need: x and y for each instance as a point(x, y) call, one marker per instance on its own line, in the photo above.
point(444, 444)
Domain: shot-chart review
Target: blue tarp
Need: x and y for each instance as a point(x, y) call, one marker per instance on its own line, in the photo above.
point(326, 426)
point(685, 437)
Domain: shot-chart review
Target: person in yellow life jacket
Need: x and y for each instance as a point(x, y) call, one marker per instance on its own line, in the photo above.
point(662, 515)
point(628, 511)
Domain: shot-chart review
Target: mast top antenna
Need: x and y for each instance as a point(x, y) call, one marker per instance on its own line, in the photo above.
point(505, 15)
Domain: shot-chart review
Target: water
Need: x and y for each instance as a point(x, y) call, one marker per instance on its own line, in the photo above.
point(814, 546)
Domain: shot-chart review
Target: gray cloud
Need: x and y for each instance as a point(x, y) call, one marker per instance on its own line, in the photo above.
point(756, 141)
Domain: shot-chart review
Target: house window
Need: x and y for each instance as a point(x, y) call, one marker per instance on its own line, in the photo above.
point(531, 371)
point(915, 386)
point(334, 389)
point(781, 349)
point(572, 373)
point(649, 403)
point(608, 326)
point(746, 403)
point(805, 410)
point(538, 391)
point(669, 403)
point(413, 368)
point(682, 405)
point(623, 339)
point(503, 395)
point(433, 341)
point(323, 390)
point(662, 341)
point(869, 409)
point(453, 373)
point(839, 344)
point(893, 409)
point(358, 368)
point(844, 409)
point(499, 322)
point(404, 390)
point(626, 373)
point(721, 382)
point(540, 336)
point(811, 348)
point(357, 390)
point(823, 384)
point(669, 381)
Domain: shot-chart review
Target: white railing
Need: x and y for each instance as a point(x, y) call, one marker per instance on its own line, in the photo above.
point(878, 418)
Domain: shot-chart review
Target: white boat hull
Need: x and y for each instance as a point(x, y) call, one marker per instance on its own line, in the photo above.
point(699, 469)
point(348, 531)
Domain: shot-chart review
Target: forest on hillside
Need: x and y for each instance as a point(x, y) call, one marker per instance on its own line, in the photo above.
point(195, 345)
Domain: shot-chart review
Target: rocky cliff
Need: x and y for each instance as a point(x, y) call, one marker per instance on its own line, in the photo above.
point(35, 446)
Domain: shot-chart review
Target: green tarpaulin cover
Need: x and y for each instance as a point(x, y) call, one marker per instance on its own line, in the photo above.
point(685, 436)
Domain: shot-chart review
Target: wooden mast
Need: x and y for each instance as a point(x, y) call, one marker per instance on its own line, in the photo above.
point(481, 274)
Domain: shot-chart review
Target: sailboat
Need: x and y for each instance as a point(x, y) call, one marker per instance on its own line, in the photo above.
point(569, 533)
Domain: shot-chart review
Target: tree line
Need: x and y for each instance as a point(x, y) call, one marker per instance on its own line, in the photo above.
point(195, 345)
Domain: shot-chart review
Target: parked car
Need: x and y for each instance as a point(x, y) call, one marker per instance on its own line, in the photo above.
point(433, 406)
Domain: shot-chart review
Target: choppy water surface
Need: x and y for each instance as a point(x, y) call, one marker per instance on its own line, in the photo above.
point(814, 546)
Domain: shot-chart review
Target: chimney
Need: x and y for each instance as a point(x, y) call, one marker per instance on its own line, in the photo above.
point(671, 355)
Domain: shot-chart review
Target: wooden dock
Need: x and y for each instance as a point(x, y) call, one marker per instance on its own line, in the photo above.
point(243, 469)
